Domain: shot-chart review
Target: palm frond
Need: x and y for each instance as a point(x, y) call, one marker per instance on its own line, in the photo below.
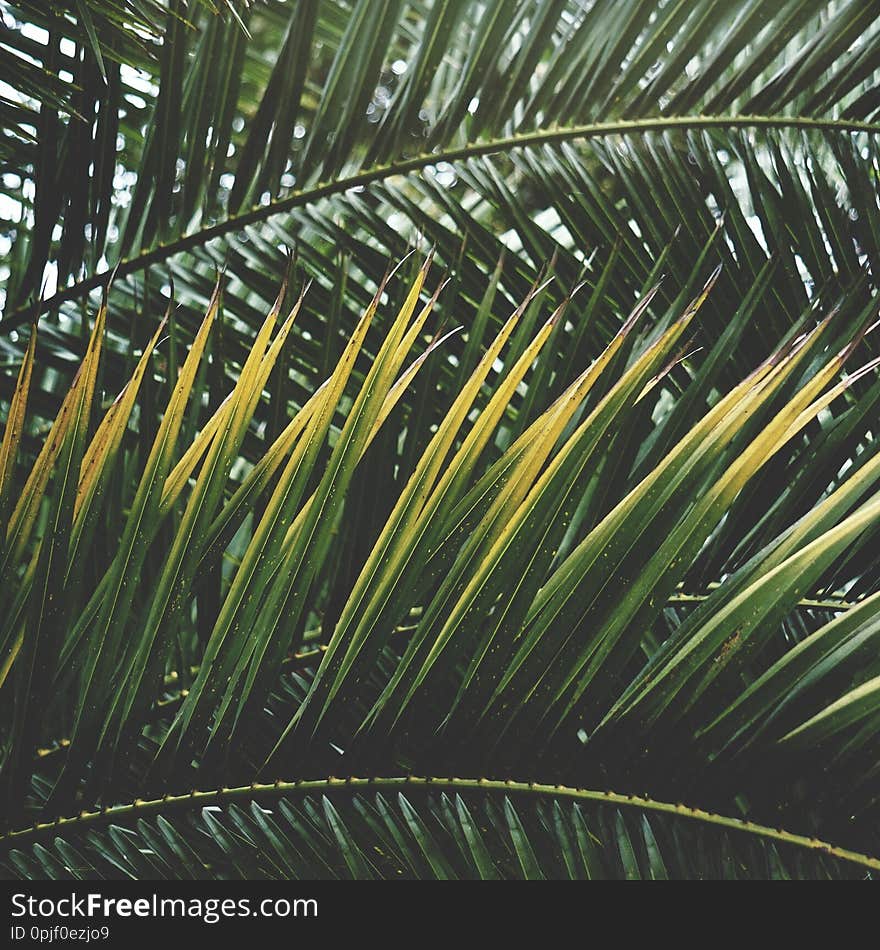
point(413, 828)
point(598, 506)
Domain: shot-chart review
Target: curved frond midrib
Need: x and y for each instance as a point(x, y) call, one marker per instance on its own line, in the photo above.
point(261, 792)
point(297, 199)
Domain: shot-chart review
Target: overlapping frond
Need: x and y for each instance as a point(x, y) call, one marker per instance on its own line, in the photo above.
point(585, 497)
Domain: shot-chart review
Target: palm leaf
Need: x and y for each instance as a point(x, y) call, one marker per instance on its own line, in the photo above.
point(579, 514)
point(417, 828)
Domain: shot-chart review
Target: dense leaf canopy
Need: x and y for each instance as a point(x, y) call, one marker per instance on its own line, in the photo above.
point(398, 389)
